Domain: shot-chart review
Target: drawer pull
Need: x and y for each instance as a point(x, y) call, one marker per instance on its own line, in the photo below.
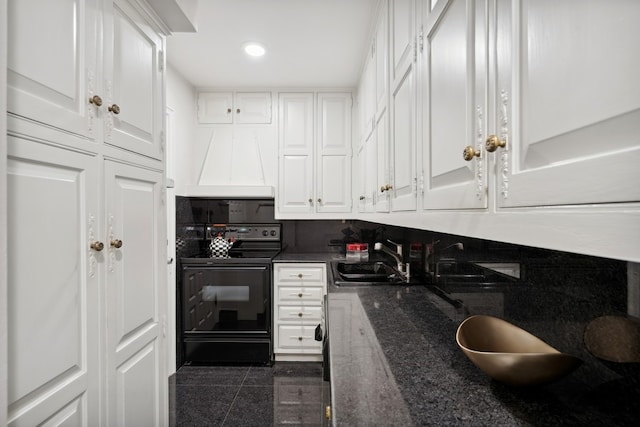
point(299, 314)
point(300, 295)
point(299, 338)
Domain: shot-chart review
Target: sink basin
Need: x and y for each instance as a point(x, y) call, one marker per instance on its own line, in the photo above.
point(510, 354)
point(364, 273)
point(454, 272)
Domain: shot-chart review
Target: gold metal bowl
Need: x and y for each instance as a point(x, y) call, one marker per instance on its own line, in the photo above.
point(510, 354)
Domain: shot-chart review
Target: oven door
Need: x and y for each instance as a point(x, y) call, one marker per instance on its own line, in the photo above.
point(227, 299)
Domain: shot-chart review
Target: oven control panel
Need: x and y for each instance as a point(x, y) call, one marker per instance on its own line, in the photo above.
point(247, 232)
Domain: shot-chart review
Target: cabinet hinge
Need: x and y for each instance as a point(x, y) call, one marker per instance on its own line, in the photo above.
point(422, 183)
point(415, 52)
point(421, 39)
point(373, 48)
point(161, 60)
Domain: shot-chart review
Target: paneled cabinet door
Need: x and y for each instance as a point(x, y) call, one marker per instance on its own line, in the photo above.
point(403, 106)
point(53, 283)
point(215, 107)
point(333, 153)
point(296, 171)
point(134, 251)
point(52, 63)
point(455, 118)
point(571, 118)
point(133, 74)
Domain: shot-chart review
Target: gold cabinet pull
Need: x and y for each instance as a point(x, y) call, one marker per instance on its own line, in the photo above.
point(228, 110)
point(299, 314)
point(300, 295)
point(97, 246)
point(362, 197)
point(115, 108)
point(95, 100)
point(299, 275)
point(493, 143)
point(310, 201)
point(299, 338)
point(116, 243)
point(238, 111)
point(469, 153)
point(319, 200)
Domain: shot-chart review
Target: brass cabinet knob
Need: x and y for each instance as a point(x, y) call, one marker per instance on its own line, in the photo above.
point(299, 338)
point(228, 110)
point(97, 246)
point(493, 142)
point(383, 189)
point(310, 201)
point(469, 153)
point(300, 295)
point(319, 200)
point(95, 100)
point(299, 314)
point(238, 111)
point(388, 187)
point(115, 109)
point(116, 243)
point(362, 197)
point(299, 275)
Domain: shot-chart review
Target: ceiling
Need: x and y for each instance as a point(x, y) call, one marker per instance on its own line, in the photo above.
point(309, 43)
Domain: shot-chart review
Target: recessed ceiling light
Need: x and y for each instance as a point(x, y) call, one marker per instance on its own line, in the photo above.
point(254, 49)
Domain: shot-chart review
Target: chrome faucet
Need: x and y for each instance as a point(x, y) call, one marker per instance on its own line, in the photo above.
point(432, 258)
point(402, 268)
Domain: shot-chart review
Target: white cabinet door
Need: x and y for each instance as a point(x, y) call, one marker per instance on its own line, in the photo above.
point(51, 64)
point(371, 155)
point(403, 107)
point(568, 102)
point(333, 153)
point(295, 189)
point(134, 99)
point(53, 286)
point(382, 179)
point(454, 83)
point(381, 57)
point(215, 107)
point(137, 388)
point(253, 107)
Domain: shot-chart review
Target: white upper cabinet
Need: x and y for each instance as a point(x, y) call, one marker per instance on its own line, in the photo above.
point(333, 155)
point(454, 114)
point(315, 155)
point(403, 106)
point(381, 57)
point(296, 169)
point(239, 108)
point(54, 73)
point(567, 102)
point(133, 107)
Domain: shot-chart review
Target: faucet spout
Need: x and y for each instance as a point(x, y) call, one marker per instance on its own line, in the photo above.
point(397, 256)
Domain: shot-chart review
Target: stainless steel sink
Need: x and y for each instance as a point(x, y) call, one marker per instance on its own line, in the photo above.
point(364, 274)
point(450, 272)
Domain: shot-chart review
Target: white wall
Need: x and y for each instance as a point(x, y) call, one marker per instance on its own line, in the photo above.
point(181, 126)
point(181, 101)
point(3, 213)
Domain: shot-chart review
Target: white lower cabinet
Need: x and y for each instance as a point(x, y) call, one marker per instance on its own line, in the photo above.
point(299, 290)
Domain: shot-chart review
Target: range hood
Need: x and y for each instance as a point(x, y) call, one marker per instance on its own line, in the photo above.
point(233, 167)
point(230, 191)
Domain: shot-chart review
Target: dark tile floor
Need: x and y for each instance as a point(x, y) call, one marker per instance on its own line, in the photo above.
point(286, 393)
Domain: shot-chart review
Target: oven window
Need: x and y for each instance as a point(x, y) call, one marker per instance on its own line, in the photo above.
point(226, 293)
point(227, 298)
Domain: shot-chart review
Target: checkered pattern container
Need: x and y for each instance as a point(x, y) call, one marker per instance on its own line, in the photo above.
point(219, 248)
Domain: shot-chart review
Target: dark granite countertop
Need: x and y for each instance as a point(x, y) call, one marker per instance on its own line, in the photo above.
point(395, 361)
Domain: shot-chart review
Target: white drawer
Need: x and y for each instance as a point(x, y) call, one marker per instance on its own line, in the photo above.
point(300, 313)
point(307, 294)
point(299, 273)
point(300, 338)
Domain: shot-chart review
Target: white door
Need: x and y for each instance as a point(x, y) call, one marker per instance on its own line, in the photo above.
point(253, 107)
point(53, 286)
point(296, 185)
point(403, 106)
point(134, 64)
point(135, 261)
point(51, 65)
point(572, 129)
point(333, 153)
point(215, 107)
point(455, 115)
point(382, 180)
